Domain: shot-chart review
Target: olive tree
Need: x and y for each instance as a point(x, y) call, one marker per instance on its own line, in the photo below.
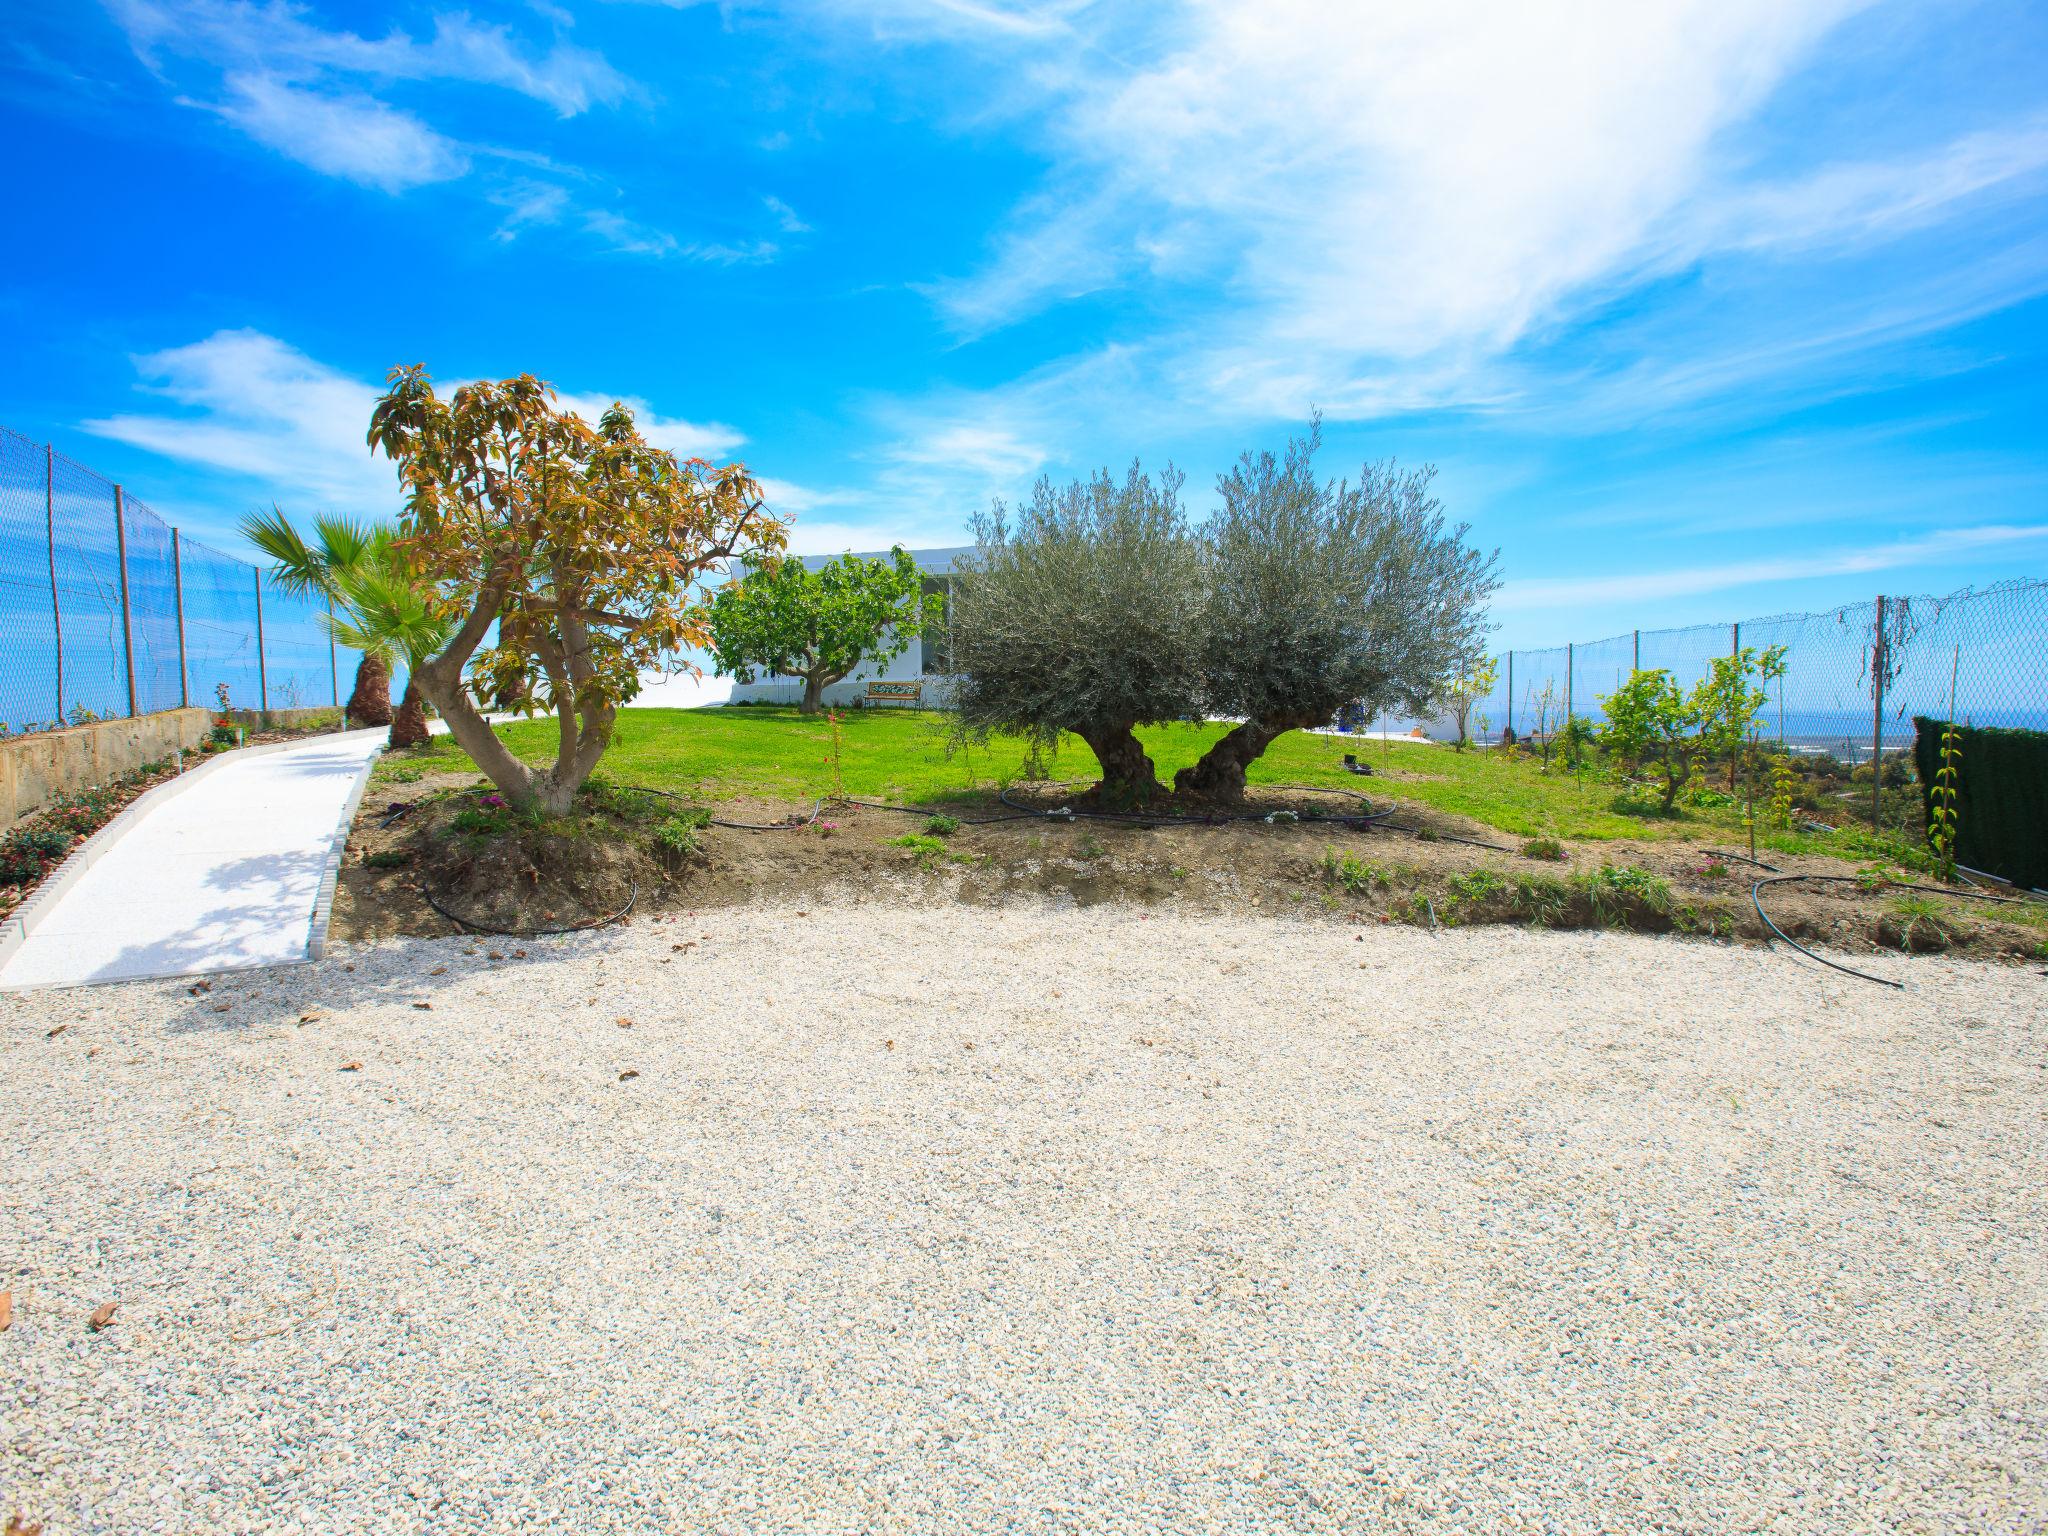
point(585, 548)
point(783, 617)
point(1080, 612)
point(1319, 594)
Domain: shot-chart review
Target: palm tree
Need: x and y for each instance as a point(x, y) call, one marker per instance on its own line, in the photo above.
point(389, 613)
point(340, 545)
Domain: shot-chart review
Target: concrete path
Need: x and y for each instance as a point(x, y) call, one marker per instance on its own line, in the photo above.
point(215, 871)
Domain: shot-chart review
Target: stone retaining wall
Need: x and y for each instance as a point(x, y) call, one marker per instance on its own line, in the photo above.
point(34, 770)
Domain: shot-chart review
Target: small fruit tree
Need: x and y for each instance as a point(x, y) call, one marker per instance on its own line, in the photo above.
point(1650, 723)
point(585, 547)
point(1464, 688)
point(819, 625)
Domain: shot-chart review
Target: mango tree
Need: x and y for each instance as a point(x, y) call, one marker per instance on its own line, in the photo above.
point(584, 547)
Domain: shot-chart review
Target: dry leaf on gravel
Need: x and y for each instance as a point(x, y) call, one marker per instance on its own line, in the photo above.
point(625, 1023)
point(21, 1525)
point(423, 1005)
point(310, 1015)
point(629, 1072)
point(6, 1310)
point(51, 1034)
point(102, 1315)
point(352, 1066)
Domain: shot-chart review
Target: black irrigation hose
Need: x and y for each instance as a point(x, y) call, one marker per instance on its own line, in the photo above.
point(1219, 819)
point(926, 811)
point(1756, 900)
point(791, 825)
point(1424, 834)
point(632, 895)
point(1740, 858)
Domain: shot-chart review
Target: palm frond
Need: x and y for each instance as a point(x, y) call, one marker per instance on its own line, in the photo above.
point(296, 567)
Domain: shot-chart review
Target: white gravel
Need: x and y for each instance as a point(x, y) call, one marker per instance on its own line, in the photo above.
point(1141, 1224)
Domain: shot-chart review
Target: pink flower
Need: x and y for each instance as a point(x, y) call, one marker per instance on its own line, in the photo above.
point(494, 802)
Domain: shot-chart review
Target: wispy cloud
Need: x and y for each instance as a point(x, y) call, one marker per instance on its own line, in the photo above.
point(355, 137)
point(1692, 581)
point(279, 39)
point(252, 406)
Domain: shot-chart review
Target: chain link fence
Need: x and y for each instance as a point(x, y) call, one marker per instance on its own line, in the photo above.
point(108, 611)
point(1855, 676)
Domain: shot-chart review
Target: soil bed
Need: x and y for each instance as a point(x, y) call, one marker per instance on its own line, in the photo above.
point(435, 834)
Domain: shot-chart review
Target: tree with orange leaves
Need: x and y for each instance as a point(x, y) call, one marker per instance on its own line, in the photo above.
point(587, 547)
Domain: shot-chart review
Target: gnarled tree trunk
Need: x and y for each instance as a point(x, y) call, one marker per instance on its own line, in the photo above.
point(1128, 778)
point(409, 722)
point(814, 695)
point(1220, 774)
point(370, 704)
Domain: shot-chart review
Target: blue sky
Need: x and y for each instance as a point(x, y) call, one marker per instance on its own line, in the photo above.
point(1703, 310)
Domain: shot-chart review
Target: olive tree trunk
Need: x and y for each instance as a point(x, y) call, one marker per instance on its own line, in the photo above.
point(1128, 777)
point(1220, 775)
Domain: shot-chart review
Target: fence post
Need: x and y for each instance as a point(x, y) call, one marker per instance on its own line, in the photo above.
point(1569, 668)
point(333, 667)
point(127, 625)
point(56, 608)
point(178, 593)
point(1635, 660)
point(1734, 654)
point(1511, 691)
point(262, 672)
point(1877, 663)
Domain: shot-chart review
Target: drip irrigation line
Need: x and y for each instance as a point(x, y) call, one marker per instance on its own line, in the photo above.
point(1756, 900)
point(1213, 819)
point(1740, 858)
point(1426, 835)
point(926, 811)
point(791, 825)
point(632, 895)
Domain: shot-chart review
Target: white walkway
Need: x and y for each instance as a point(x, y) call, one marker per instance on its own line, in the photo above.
point(221, 873)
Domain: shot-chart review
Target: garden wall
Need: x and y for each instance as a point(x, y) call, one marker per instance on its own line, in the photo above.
point(283, 719)
point(36, 769)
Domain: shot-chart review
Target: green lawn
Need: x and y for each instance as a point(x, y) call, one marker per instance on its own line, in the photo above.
point(902, 755)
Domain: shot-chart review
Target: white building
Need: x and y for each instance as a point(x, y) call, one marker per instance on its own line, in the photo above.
point(919, 678)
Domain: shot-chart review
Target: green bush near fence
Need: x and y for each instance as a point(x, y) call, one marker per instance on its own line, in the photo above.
point(2001, 798)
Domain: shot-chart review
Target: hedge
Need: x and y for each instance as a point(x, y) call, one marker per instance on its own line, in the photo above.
point(2001, 798)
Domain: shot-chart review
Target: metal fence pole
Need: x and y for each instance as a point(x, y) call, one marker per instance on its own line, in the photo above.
point(1511, 691)
point(1635, 663)
point(127, 626)
point(178, 593)
point(56, 608)
point(333, 667)
point(1877, 663)
point(1734, 654)
point(1568, 670)
point(262, 672)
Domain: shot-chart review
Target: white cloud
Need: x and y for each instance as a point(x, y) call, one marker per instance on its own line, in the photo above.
point(689, 439)
point(1690, 581)
point(357, 138)
point(263, 409)
point(979, 447)
point(257, 407)
point(277, 39)
point(785, 216)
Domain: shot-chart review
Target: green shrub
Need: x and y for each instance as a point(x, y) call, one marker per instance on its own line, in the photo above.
point(942, 825)
point(678, 834)
point(387, 858)
point(918, 842)
point(1543, 848)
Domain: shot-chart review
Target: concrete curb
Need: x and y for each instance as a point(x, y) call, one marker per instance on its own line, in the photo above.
point(22, 921)
point(330, 877)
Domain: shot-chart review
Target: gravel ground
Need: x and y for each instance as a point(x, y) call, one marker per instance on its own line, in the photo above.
point(1029, 1220)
